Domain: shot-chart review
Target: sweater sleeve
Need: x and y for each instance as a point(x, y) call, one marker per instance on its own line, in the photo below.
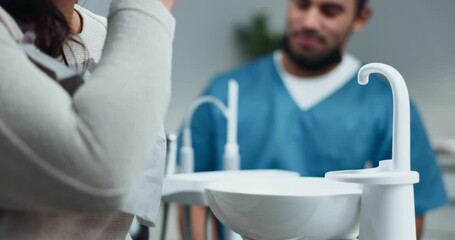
point(81, 154)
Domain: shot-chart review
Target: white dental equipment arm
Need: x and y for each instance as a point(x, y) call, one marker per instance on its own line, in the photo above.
point(387, 205)
point(401, 146)
point(231, 151)
point(187, 151)
point(171, 156)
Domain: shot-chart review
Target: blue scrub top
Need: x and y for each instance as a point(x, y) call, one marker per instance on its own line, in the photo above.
point(344, 131)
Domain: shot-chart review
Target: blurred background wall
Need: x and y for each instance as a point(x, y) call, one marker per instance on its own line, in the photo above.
point(415, 36)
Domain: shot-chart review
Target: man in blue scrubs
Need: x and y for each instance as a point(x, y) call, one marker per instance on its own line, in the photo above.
point(301, 108)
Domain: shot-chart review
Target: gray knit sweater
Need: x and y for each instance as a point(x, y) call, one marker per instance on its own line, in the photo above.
point(64, 158)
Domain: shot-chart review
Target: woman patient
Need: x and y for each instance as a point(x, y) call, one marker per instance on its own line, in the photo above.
point(70, 163)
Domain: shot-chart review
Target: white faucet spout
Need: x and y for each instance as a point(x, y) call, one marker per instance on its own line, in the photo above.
point(387, 208)
point(401, 112)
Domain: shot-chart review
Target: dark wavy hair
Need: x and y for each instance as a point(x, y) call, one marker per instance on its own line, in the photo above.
point(42, 18)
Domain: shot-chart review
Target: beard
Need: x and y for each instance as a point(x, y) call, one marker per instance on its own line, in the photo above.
point(311, 63)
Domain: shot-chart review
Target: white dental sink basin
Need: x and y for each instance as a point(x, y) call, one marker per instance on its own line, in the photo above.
point(188, 188)
point(285, 209)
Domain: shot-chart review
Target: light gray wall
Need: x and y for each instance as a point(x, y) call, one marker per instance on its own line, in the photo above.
point(205, 45)
point(98, 6)
point(415, 36)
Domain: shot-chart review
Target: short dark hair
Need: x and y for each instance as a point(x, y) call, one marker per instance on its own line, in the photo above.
point(361, 4)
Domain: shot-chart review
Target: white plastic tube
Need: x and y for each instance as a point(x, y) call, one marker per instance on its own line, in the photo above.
point(231, 150)
point(172, 154)
point(203, 100)
point(231, 155)
point(187, 151)
point(232, 112)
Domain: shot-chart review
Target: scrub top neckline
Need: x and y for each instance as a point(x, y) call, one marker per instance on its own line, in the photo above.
point(319, 104)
